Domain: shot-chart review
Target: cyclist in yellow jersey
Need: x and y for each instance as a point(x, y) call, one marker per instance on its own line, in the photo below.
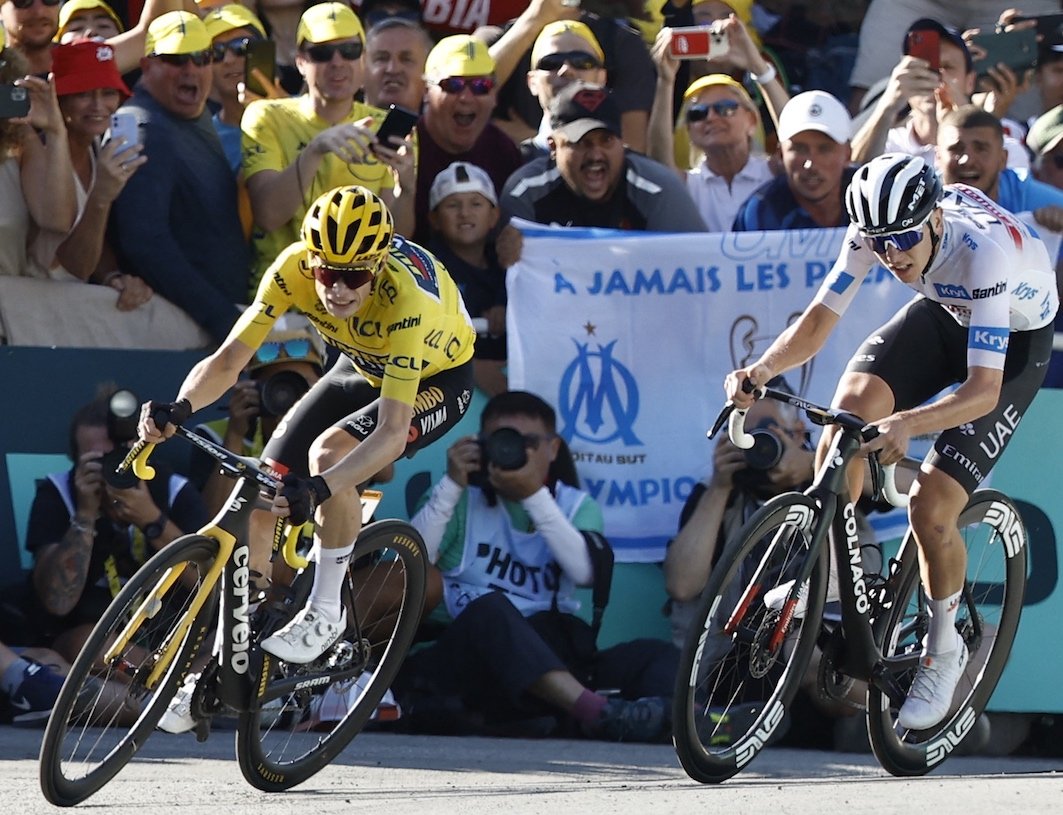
point(404, 378)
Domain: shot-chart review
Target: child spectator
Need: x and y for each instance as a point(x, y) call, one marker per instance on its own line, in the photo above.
point(463, 212)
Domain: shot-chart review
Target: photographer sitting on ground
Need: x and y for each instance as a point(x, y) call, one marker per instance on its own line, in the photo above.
point(90, 528)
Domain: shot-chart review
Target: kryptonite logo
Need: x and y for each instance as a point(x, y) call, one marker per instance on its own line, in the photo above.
point(599, 398)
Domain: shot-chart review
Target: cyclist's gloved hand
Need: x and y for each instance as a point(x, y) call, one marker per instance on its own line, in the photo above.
point(175, 413)
point(304, 495)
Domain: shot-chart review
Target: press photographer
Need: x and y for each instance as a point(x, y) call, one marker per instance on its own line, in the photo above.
point(91, 528)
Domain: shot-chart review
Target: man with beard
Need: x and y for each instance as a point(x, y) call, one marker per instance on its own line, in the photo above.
point(814, 132)
point(175, 224)
point(590, 179)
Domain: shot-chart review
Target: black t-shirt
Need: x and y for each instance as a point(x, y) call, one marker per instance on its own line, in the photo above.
point(481, 288)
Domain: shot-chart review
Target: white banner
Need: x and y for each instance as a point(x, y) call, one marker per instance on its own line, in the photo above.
point(630, 334)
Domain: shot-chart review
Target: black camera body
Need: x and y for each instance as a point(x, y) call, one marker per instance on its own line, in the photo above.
point(505, 448)
point(278, 392)
point(123, 412)
point(766, 452)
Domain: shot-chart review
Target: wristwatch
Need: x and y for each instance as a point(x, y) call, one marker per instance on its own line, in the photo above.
point(154, 529)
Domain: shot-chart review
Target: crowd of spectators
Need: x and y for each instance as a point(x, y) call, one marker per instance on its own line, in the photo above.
point(577, 115)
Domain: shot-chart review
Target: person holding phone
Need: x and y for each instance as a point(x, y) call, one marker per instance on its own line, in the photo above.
point(299, 148)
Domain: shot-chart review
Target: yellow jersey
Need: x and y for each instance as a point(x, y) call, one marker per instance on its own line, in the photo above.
point(413, 324)
point(274, 133)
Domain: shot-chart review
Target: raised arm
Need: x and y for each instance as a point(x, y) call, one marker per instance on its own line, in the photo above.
point(662, 122)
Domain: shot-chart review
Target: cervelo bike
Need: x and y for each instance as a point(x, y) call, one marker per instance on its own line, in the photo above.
point(190, 605)
point(745, 658)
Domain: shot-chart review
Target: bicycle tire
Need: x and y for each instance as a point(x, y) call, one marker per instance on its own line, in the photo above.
point(996, 540)
point(282, 746)
point(733, 689)
point(105, 713)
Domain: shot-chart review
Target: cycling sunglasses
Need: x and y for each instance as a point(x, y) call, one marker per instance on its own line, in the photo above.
point(479, 85)
point(580, 60)
point(292, 349)
point(237, 47)
point(349, 51)
point(352, 278)
point(725, 108)
point(903, 241)
point(25, 4)
point(197, 58)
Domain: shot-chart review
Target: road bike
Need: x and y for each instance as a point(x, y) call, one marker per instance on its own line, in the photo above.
point(745, 658)
point(191, 607)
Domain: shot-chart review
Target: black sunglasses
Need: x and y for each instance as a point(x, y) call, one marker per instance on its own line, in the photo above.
point(479, 85)
point(197, 58)
point(353, 278)
point(24, 4)
point(237, 47)
point(349, 51)
point(580, 60)
point(724, 108)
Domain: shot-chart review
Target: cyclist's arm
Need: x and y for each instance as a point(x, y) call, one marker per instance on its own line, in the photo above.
point(213, 376)
point(381, 447)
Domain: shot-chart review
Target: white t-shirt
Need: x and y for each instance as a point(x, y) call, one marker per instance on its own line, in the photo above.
point(901, 139)
point(719, 202)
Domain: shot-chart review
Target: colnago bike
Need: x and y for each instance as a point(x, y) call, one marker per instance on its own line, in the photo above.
point(191, 606)
point(745, 654)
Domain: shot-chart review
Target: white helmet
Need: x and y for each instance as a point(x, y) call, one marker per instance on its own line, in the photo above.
point(892, 193)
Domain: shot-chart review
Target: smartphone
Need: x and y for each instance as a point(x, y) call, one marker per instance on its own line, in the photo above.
point(698, 42)
point(396, 125)
point(261, 54)
point(1016, 49)
point(927, 46)
point(14, 102)
point(1048, 25)
point(124, 124)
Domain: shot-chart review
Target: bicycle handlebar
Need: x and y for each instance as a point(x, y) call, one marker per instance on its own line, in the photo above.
point(883, 476)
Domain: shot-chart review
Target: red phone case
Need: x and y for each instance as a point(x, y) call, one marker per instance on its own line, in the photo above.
point(690, 44)
point(927, 46)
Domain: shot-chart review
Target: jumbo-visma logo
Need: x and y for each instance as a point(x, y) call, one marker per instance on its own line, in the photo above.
point(599, 398)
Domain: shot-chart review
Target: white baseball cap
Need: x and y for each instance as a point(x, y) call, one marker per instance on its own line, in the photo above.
point(461, 177)
point(815, 110)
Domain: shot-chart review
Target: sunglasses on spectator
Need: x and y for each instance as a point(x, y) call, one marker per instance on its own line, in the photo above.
point(353, 277)
point(724, 108)
point(291, 349)
point(237, 47)
point(349, 51)
point(903, 241)
point(580, 60)
point(478, 85)
point(197, 58)
point(24, 4)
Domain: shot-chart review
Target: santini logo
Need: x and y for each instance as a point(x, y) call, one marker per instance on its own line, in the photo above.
point(951, 290)
point(991, 291)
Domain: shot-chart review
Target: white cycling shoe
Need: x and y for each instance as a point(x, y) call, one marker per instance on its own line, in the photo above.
point(306, 637)
point(932, 689)
point(178, 715)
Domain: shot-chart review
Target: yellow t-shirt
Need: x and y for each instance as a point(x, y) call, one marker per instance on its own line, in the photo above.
point(274, 132)
point(412, 326)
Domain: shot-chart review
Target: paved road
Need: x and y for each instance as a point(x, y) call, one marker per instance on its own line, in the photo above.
point(394, 775)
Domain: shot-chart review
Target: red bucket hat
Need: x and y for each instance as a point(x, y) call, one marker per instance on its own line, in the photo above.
point(86, 65)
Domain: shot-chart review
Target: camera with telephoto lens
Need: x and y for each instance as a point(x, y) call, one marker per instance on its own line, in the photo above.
point(123, 412)
point(766, 451)
point(505, 448)
point(277, 393)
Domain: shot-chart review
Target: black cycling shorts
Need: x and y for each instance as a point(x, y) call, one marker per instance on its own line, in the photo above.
point(344, 398)
point(922, 350)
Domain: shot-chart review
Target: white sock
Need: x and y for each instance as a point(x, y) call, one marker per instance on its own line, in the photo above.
point(328, 578)
point(942, 636)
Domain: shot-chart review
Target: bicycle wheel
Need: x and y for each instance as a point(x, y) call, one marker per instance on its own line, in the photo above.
point(742, 664)
point(988, 617)
point(108, 708)
point(307, 714)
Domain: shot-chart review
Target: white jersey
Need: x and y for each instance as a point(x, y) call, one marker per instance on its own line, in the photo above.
point(991, 273)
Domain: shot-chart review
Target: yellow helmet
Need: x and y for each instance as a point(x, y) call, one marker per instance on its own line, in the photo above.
point(348, 225)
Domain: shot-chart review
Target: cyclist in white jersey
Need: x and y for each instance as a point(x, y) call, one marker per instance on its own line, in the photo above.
point(983, 323)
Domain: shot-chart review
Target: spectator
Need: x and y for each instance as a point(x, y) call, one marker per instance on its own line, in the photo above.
point(1048, 75)
point(31, 688)
point(297, 149)
point(87, 20)
point(625, 55)
point(723, 123)
point(514, 647)
point(456, 122)
point(564, 52)
point(232, 28)
point(89, 528)
point(176, 222)
point(396, 49)
point(590, 180)
point(886, 22)
point(373, 12)
point(814, 132)
point(463, 212)
point(1045, 140)
point(36, 181)
point(928, 95)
